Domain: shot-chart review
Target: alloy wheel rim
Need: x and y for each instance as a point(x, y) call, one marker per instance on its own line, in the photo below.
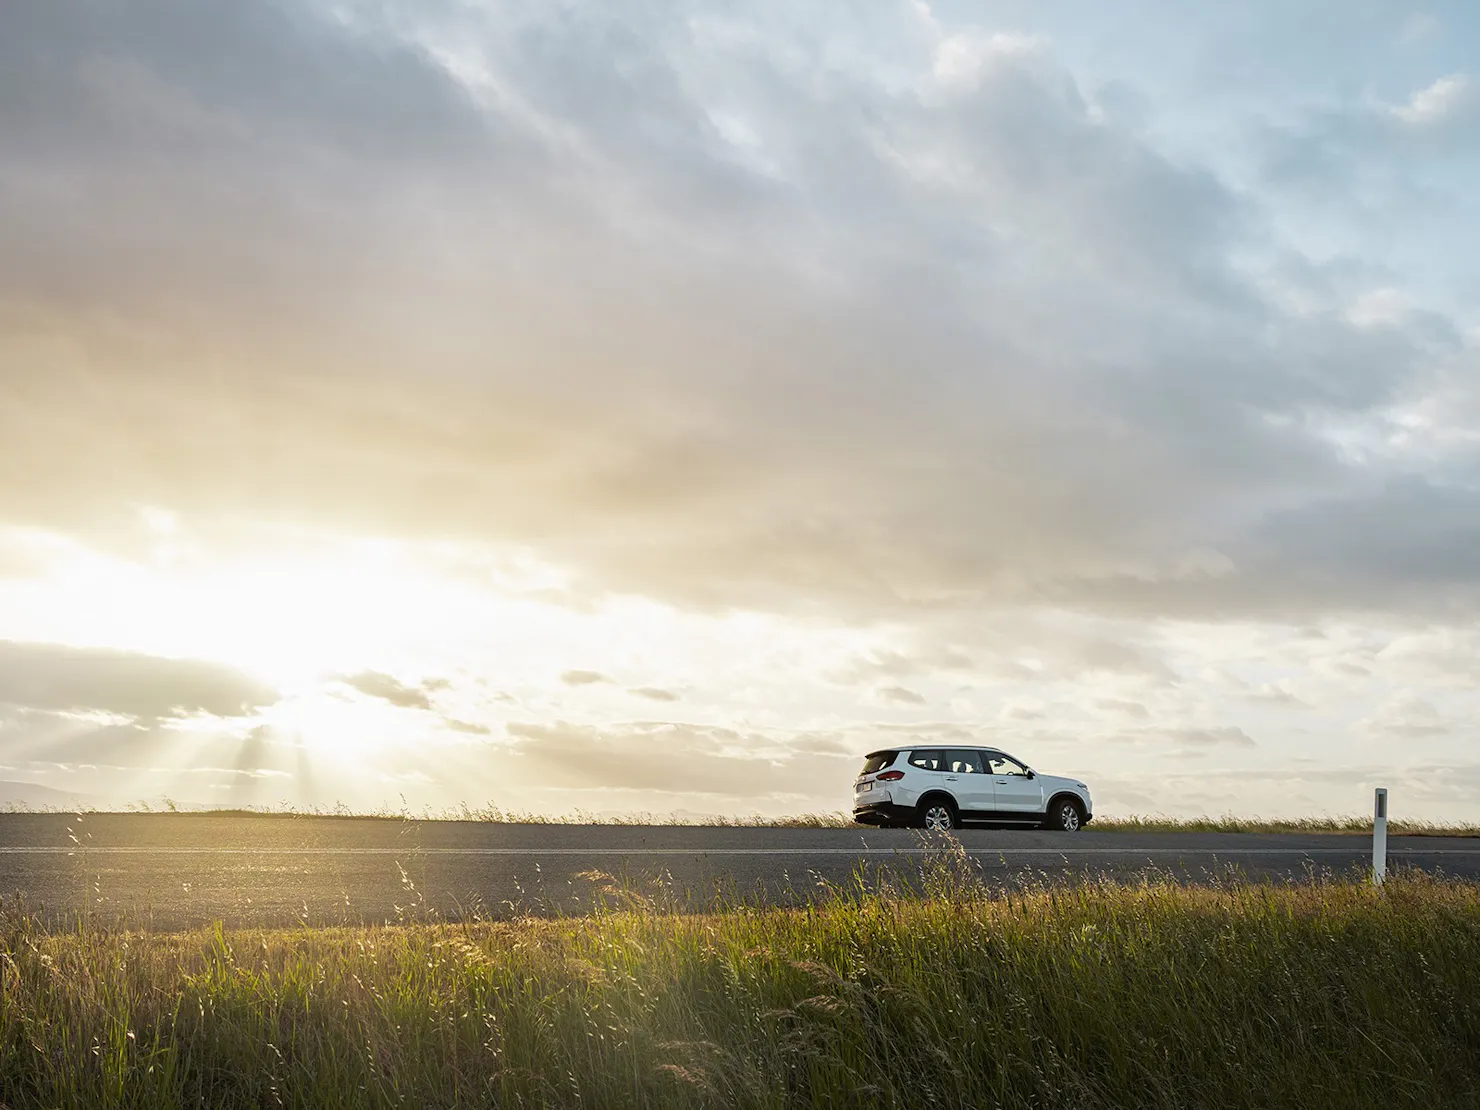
point(937, 818)
point(1071, 818)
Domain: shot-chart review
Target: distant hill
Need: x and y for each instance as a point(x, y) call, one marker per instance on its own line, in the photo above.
point(32, 795)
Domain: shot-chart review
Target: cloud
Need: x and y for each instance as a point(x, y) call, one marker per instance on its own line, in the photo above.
point(59, 678)
point(1119, 658)
point(388, 688)
point(1434, 102)
point(1133, 709)
point(886, 664)
point(957, 337)
point(584, 678)
point(901, 694)
point(1434, 657)
point(1227, 735)
point(668, 758)
point(654, 693)
point(1274, 694)
point(1406, 718)
point(118, 758)
point(472, 728)
point(1023, 712)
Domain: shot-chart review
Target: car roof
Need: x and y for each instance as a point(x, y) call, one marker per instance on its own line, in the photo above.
point(952, 748)
point(936, 747)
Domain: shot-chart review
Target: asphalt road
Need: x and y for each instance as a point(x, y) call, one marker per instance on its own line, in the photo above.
point(169, 871)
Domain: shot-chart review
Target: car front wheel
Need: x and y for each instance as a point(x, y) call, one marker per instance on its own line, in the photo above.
point(1065, 816)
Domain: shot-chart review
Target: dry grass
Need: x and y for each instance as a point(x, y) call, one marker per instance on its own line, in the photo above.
point(1229, 823)
point(1145, 995)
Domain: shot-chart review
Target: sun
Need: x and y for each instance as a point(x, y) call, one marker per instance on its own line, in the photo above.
point(287, 614)
point(289, 623)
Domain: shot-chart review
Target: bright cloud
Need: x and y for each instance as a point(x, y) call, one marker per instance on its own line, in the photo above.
point(1435, 101)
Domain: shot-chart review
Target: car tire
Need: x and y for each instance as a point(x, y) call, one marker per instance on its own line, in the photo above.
point(1065, 815)
point(936, 815)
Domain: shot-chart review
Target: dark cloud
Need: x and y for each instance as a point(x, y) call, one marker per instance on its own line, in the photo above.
point(389, 688)
point(147, 687)
point(1404, 545)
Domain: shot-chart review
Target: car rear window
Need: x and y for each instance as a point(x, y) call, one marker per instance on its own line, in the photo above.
point(877, 761)
point(931, 760)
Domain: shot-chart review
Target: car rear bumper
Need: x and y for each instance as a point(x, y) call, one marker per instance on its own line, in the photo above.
point(880, 813)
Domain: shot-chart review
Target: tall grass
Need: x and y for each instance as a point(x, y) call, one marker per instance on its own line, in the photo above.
point(1143, 995)
point(1230, 823)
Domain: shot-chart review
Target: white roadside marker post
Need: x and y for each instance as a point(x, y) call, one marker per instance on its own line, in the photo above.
point(1379, 837)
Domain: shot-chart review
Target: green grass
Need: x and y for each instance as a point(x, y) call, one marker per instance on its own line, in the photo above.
point(1147, 995)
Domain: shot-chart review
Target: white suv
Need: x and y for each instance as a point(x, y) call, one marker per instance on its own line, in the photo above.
point(940, 788)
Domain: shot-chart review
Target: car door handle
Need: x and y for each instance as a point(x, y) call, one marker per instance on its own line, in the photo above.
point(950, 778)
point(1000, 782)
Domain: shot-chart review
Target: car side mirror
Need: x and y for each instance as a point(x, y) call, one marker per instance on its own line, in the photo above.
point(1032, 774)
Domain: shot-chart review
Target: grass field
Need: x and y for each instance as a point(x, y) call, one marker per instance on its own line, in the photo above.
point(1231, 824)
point(1151, 995)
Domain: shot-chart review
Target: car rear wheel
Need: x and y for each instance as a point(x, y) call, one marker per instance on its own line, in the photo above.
point(936, 815)
point(1065, 816)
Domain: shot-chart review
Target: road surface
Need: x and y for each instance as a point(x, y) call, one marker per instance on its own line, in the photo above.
point(168, 871)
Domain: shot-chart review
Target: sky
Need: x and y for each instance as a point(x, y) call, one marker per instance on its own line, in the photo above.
point(647, 407)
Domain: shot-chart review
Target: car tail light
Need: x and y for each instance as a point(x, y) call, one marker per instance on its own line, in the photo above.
point(891, 776)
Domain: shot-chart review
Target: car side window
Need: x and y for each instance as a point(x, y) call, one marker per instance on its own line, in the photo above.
point(928, 760)
point(1004, 765)
point(965, 762)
